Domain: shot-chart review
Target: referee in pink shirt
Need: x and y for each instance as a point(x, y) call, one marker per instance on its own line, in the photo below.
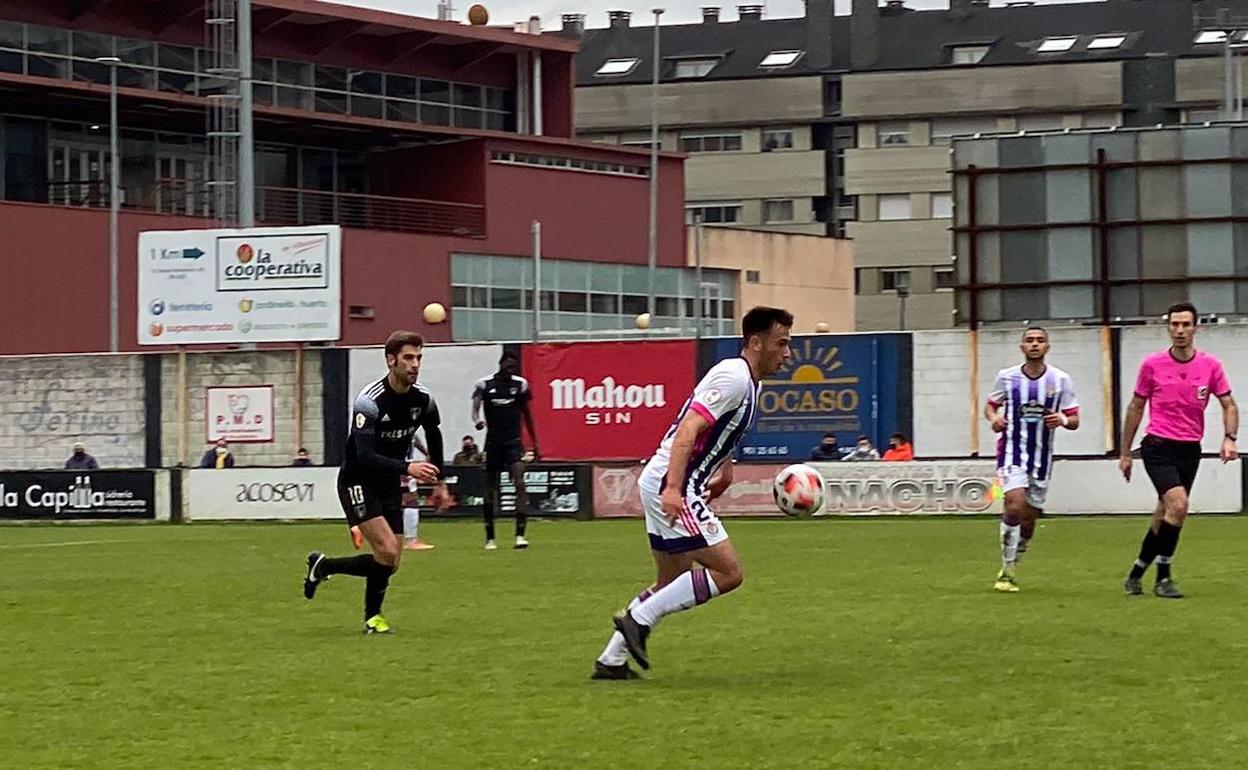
point(1177, 384)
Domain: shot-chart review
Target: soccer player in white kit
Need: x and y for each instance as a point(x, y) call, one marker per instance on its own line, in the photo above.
point(691, 468)
point(1027, 405)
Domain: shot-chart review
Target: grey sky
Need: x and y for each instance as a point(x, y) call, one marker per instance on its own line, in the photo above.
point(507, 11)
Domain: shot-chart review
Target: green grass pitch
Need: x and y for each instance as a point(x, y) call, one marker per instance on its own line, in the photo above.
point(855, 644)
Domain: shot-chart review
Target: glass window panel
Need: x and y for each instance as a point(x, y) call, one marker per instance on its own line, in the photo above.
point(331, 102)
point(134, 77)
point(604, 303)
point(294, 98)
point(1124, 301)
point(1210, 250)
point(989, 258)
point(633, 304)
point(364, 82)
point(89, 45)
point(331, 78)
point(570, 275)
point(667, 306)
point(133, 51)
point(512, 272)
point(406, 112)
point(11, 35)
point(469, 269)
point(1163, 251)
point(1158, 297)
point(604, 278)
point(1072, 302)
point(633, 280)
point(261, 69)
point(1070, 253)
point(367, 106)
point(465, 95)
point(1120, 190)
point(459, 296)
point(293, 73)
point(1067, 148)
point(1208, 190)
point(1161, 193)
point(548, 299)
point(435, 115)
point(496, 121)
point(505, 299)
point(990, 305)
point(1068, 196)
point(667, 281)
point(1024, 304)
point(260, 93)
point(943, 129)
point(437, 91)
point(478, 296)
point(468, 118)
point(1212, 142)
point(1213, 296)
point(573, 302)
point(12, 61)
point(942, 205)
point(894, 206)
point(1241, 297)
point(1124, 253)
point(1022, 198)
point(1024, 257)
point(47, 39)
point(1241, 248)
point(91, 72)
point(495, 99)
point(401, 87)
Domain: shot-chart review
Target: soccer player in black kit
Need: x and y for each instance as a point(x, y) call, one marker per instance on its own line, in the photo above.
point(384, 420)
point(505, 397)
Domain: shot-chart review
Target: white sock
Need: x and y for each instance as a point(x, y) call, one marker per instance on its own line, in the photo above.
point(691, 588)
point(1010, 535)
point(616, 652)
point(411, 523)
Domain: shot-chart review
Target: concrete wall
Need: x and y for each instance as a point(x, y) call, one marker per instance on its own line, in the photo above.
point(759, 101)
point(811, 276)
point(727, 175)
point(991, 90)
point(1200, 80)
point(948, 419)
point(271, 367)
point(49, 402)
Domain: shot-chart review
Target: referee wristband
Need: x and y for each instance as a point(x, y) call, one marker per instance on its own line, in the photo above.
point(1232, 437)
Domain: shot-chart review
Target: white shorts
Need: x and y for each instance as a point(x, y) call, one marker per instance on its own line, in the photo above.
point(696, 527)
point(1013, 477)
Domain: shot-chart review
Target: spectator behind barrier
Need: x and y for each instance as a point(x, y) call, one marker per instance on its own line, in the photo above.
point(468, 454)
point(80, 460)
point(899, 449)
point(863, 452)
point(218, 457)
point(827, 451)
point(301, 459)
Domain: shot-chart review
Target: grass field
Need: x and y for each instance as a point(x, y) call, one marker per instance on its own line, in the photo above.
point(858, 644)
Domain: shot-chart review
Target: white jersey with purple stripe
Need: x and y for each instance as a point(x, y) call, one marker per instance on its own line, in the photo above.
point(728, 398)
point(1026, 445)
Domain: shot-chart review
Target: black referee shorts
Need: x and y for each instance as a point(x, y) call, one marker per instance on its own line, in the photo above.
point(1170, 463)
point(501, 457)
point(361, 502)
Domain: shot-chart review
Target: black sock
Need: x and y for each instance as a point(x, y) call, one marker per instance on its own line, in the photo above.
point(1148, 552)
point(346, 565)
point(521, 522)
point(488, 508)
point(375, 589)
point(1167, 544)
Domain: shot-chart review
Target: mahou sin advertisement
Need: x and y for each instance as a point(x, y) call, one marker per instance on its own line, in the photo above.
point(607, 400)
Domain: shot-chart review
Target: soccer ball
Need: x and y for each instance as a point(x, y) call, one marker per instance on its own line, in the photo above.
point(798, 490)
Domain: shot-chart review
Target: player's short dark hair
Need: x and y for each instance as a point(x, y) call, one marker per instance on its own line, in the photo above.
point(760, 320)
point(900, 437)
point(1182, 307)
point(864, 437)
point(401, 339)
point(1035, 328)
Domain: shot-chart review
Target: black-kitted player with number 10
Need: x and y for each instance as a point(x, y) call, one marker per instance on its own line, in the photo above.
point(383, 422)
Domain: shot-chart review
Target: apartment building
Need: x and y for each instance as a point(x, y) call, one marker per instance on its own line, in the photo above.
point(880, 94)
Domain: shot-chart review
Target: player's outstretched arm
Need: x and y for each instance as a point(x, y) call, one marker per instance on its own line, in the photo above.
point(478, 397)
point(1130, 424)
point(1230, 425)
point(528, 423)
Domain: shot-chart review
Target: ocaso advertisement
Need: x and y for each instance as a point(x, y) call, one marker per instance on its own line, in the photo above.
point(607, 400)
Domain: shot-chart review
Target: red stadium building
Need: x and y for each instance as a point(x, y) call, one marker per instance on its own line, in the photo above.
point(434, 144)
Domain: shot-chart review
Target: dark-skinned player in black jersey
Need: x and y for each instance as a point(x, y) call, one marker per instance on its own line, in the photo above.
point(505, 398)
point(383, 421)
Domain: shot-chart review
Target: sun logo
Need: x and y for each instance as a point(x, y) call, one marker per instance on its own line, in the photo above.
point(813, 365)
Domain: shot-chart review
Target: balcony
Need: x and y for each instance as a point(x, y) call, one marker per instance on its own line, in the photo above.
point(288, 206)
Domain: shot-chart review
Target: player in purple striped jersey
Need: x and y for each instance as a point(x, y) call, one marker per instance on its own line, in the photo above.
point(1029, 402)
point(691, 468)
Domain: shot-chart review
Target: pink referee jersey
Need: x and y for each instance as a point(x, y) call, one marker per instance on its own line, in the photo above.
point(1177, 393)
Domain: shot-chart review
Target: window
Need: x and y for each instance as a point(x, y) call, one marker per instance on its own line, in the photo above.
point(942, 205)
point(711, 143)
point(968, 54)
point(1106, 42)
point(944, 129)
point(943, 278)
point(777, 139)
point(713, 214)
point(895, 206)
point(1057, 44)
point(604, 303)
point(694, 68)
point(1211, 36)
point(778, 211)
point(892, 134)
point(752, 276)
point(616, 67)
point(780, 59)
point(573, 302)
point(893, 280)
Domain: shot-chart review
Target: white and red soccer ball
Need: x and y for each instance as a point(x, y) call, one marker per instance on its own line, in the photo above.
point(798, 490)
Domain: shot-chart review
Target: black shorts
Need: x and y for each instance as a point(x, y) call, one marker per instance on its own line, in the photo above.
point(1170, 463)
point(500, 458)
point(361, 502)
